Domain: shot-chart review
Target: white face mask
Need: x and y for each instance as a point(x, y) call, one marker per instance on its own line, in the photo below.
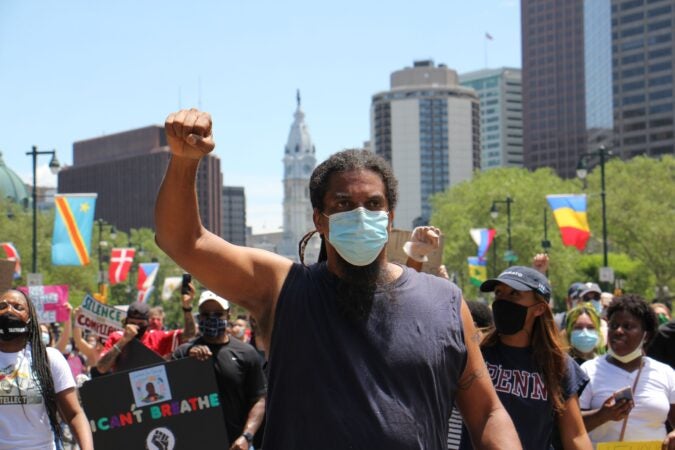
point(45, 338)
point(632, 356)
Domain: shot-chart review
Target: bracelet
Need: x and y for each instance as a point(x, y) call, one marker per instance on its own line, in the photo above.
point(187, 309)
point(117, 347)
point(248, 436)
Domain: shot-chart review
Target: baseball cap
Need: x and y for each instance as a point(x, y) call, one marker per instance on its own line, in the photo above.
point(588, 288)
point(520, 278)
point(138, 310)
point(209, 295)
point(574, 290)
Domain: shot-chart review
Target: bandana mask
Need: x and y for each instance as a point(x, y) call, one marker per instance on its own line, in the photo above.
point(212, 326)
point(11, 326)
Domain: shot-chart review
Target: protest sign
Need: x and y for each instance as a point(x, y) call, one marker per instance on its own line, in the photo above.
point(99, 318)
point(50, 302)
point(396, 254)
point(6, 274)
point(158, 407)
point(642, 445)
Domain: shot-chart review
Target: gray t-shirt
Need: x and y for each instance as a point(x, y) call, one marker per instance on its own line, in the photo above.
point(386, 381)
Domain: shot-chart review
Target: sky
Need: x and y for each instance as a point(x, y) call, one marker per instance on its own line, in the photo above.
point(73, 69)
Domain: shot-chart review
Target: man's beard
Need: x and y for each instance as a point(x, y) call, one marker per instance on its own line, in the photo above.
point(356, 288)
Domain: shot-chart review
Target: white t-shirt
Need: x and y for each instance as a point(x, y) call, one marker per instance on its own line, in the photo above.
point(24, 423)
point(653, 395)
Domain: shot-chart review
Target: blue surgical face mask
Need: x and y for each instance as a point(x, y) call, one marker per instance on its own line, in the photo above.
point(584, 340)
point(212, 326)
point(597, 305)
point(358, 235)
point(45, 338)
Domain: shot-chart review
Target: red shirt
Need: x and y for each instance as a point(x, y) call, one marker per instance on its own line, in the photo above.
point(159, 341)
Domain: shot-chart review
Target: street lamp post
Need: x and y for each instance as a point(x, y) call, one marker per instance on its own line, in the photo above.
point(101, 244)
point(602, 154)
point(54, 167)
point(509, 255)
point(545, 243)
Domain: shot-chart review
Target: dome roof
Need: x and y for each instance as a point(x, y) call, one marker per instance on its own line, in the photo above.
point(11, 186)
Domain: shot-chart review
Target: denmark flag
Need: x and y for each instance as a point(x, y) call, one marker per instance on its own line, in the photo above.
point(120, 263)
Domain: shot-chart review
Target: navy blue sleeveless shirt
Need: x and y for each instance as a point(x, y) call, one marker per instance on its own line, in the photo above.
point(387, 381)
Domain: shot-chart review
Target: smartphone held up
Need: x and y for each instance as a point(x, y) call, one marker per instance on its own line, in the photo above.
point(185, 286)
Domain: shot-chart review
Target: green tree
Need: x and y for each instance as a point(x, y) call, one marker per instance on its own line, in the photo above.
point(467, 205)
point(640, 213)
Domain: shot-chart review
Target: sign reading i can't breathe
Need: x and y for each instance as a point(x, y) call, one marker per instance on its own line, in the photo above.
point(173, 405)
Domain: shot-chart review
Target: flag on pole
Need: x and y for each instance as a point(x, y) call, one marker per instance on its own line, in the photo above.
point(120, 263)
point(477, 270)
point(570, 214)
point(170, 285)
point(12, 255)
point(483, 238)
point(73, 223)
point(488, 36)
point(147, 272)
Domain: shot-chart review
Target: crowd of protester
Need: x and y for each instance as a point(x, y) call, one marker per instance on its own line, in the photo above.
point(364, 353)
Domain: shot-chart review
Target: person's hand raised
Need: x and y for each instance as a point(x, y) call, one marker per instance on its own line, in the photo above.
point(188, 132)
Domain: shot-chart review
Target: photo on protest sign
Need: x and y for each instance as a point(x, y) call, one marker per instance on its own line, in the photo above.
point(190, 417)
point(150, 386)
point(99, 318)
point(396, 254)
point(50, 302)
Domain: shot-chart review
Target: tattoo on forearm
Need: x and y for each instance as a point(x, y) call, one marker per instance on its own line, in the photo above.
point(466, 384)
point(107, 360)
point(476, 337)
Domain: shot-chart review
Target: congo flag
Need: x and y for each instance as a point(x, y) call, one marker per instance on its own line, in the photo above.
point(73, 223)
point(477, 270)
point(570, 214)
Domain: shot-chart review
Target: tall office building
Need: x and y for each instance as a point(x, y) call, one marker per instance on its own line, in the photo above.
point(566, 73)
point(428, 127)
point(126, 169)
point(299, 162)
point(234, 215)
point(643, 56)
point(501, 115)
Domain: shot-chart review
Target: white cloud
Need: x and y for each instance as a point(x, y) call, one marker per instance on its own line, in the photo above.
point(45, 177)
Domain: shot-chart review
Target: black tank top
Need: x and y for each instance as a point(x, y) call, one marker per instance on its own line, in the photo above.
point(385, 382)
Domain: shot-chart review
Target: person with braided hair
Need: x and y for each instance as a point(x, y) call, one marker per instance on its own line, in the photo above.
point(35, 383)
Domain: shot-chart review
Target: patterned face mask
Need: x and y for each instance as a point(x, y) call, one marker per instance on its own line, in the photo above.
point(212, 326)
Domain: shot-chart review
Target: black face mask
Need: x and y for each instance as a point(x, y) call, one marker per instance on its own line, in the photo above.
point(509, 317)
point(11, 327)
point(141, 331)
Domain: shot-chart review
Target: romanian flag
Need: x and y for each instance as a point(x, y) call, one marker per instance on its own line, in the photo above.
point(73, 223)
point(147, 272)
point(483, 238)
point(477, 270)
point(570, 215)
point(12, 255)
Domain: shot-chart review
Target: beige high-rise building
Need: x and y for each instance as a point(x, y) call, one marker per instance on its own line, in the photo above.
point(428, 127)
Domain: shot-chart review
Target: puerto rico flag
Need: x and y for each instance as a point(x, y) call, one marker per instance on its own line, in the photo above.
point(147, 272)
point(483, 238)
point(120, 263)
point(12, 255)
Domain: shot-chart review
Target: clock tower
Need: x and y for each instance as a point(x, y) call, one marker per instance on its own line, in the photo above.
point(299, 162)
